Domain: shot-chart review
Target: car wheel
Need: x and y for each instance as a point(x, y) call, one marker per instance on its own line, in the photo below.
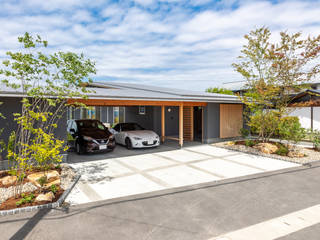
point(79, 149)
point(128, 143)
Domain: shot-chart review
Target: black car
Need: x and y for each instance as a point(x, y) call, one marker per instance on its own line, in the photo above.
point(89, 135)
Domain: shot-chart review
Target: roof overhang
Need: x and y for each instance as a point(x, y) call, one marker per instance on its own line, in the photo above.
point(122, 102)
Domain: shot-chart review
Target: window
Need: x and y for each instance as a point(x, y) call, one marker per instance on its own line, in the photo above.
point(142, 110)
point(71, 114)
point(90, 113)
point(118, 115)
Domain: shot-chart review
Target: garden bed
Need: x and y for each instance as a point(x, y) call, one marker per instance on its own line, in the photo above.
point(32, 194)
point(308, 154)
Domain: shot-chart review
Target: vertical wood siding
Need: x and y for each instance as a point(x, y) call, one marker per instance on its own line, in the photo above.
point(231, 120)
point(188, 123)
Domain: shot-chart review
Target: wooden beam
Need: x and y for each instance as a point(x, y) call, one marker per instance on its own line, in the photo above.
point(163, 123)
point(311, 118)
point(181, 125)
point(202, 125)
point(192, 123)
point(111, 102)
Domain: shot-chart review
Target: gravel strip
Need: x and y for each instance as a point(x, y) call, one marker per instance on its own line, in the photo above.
point(67, 176)
point(311, 155)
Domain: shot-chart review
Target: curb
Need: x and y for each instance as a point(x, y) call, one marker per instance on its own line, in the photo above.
point(56, 204)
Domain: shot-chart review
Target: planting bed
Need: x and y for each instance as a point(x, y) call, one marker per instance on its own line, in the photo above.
point(59, 180)
point(306, 154)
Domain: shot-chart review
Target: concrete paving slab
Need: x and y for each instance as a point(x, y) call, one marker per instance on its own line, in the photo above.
point(125, 186)
point(183, 155)
point(100, 170)
point(225, 168)
point(265, 163)
point(213, 151)
point(77, 197)
point(182, 175)
point(145, 161)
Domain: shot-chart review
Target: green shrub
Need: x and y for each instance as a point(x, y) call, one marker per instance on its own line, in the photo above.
point(43, 180)
point(315, 138)
point(290, 129)
point(282, 150)
point(264, 124)
point(54, 188)
point(244, 132)
point(249, 143)
point(25, 199)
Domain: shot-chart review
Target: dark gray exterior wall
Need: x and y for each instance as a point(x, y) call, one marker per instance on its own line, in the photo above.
point(146, 120)
point(171, 121)
point(211, 123)
point(9, 106)
point(13, 105)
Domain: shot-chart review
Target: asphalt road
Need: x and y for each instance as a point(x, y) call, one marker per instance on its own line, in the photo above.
point(192, 214)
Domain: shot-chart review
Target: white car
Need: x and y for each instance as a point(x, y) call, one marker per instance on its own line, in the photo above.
point(132, 135)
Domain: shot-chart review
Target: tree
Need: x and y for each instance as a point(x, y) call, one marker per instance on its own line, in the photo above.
point(219, 90)
point(46, 81)
point(274, 71)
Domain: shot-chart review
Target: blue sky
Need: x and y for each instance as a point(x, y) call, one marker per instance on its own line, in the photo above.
point(185, 44)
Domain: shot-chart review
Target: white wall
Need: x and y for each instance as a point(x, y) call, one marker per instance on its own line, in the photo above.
point(316, 118)
point(304, 115)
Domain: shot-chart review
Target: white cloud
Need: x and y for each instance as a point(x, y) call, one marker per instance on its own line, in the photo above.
point(155, 42)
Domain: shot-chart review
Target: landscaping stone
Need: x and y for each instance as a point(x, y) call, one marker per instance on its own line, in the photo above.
point(267, 148)
point(55, 182)
point(309, 154)
point(48, 197)
point(8, 180)
point(295, 154)
point(34, 177)
point(6, 193)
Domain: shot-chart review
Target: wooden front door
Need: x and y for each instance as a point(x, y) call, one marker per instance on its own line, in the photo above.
point(231, 120)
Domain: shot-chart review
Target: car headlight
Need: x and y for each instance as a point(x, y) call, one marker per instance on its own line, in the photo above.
point(137, 138)
point(157, 137)
point(87, 138)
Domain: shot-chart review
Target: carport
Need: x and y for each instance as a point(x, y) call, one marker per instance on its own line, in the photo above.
point(186, 113)
point(179, 115)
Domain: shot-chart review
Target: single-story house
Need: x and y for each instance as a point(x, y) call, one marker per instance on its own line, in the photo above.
point(183, 115)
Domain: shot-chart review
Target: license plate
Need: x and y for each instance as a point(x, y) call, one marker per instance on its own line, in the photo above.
point(103, 147)
point(150, 142)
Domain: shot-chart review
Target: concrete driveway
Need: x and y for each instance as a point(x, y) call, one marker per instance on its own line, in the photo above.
point(120, 176)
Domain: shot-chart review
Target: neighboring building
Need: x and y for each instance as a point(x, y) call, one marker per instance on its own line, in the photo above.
point(306, 106)
point(240, 86)
point(172, 113)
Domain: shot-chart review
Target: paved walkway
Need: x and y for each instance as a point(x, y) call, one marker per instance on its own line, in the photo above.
point(124, 176)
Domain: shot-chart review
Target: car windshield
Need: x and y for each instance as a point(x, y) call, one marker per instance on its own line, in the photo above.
point(91, 125)
point(131, 127)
